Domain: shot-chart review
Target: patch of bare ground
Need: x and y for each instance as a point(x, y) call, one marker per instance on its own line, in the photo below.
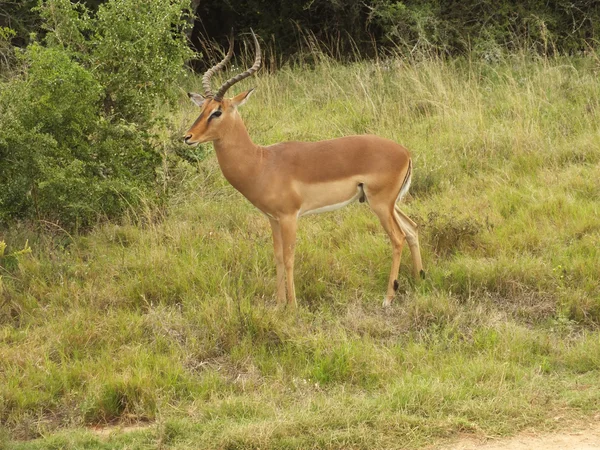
point(578, 437)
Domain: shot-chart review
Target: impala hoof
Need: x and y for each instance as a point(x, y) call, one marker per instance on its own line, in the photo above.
point(387, 302)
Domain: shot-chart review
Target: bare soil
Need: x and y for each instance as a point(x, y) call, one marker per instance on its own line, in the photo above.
point(578, 438)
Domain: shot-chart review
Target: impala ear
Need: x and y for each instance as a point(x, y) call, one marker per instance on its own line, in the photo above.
point(198, 99)
point(240, 99)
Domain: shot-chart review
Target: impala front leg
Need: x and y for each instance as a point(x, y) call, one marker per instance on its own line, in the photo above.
point(288, 226)
point(278, 250)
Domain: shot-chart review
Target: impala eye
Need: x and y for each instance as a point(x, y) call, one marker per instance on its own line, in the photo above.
point(216, 114)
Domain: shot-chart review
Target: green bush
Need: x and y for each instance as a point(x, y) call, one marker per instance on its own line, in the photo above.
point(76, 139)
point(138, 53)
point(60, 160)
point(136, 49)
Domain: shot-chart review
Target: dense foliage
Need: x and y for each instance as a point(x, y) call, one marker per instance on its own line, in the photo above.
point(458, 26)
point(76, 139)
point(445, 26)
point(348, 26)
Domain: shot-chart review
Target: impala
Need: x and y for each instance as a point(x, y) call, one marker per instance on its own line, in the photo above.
point(291, 179)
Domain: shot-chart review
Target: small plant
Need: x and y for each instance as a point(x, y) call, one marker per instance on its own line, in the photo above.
point(450, 234)
point(10, 261)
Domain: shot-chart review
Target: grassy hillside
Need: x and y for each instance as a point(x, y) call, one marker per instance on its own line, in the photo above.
point(169, 320)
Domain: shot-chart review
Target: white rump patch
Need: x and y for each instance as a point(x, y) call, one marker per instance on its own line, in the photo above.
point(405, 187)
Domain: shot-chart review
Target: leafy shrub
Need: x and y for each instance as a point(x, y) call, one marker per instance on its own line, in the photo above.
point(138, 53)
point(76, 139)
point(59, 159)
point(136, 49)
point(44, 115)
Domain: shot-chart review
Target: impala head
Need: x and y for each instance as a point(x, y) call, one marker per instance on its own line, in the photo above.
point(217, 112)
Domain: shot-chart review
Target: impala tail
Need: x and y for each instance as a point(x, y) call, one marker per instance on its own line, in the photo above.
point(406, 183)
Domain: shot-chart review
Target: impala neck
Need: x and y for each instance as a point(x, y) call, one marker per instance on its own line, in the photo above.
point(239, 158)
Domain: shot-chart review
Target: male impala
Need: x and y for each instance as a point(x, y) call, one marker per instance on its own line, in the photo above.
point(291, 179)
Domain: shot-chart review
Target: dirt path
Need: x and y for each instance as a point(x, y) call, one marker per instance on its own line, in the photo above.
point(578, 438)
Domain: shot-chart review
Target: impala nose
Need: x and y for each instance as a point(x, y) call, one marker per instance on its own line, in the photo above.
point(186, 138)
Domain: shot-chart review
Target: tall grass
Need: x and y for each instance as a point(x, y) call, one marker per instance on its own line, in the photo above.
point(169, 319)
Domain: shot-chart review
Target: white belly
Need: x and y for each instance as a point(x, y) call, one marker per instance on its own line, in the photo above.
point(329, 197)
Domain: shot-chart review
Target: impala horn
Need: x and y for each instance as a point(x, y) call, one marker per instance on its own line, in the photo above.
point(214, 69)
point(219, 95)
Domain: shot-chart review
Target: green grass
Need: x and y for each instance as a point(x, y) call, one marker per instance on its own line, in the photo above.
point(169, 320)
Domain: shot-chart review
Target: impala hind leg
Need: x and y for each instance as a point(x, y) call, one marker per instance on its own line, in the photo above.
point(385, 214)
point(410, 229)
point(278, 250)
point(288, 225)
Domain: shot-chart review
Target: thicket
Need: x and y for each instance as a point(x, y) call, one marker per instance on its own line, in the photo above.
point(78, 108)
point(447, 27)
point(348, 26)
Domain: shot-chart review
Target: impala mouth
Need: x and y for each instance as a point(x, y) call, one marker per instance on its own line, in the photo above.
point(188, 141)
